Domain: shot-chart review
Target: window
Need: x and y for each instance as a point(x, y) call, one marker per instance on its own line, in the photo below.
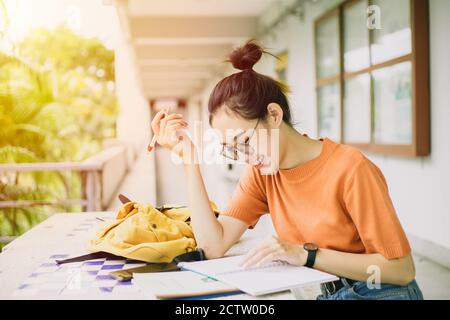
point(372, 84)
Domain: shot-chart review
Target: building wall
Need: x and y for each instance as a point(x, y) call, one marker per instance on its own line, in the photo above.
point(133, 128)
point(133, 122)
point(419, 187)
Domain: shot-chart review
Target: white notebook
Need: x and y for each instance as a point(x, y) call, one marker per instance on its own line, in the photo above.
point(176, 284)
point(272, 277)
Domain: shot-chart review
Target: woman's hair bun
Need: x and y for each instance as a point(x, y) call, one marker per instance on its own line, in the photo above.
point(245, 57)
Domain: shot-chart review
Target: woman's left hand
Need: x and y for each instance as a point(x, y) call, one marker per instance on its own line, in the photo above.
point(275, 249)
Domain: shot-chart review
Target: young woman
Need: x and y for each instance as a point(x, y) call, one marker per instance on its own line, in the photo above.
point(329, 204)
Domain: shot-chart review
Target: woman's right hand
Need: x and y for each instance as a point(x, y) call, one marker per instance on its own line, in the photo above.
point(167, 127)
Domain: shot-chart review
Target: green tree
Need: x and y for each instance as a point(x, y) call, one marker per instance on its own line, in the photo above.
point(57, 103)
point(62, 50)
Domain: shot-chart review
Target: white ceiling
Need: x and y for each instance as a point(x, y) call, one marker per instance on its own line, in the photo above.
point(180, 44)
point(197, 7)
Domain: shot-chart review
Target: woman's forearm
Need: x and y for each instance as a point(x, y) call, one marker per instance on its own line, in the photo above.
point(362, 266)
point(208, 231)
point(171, 134)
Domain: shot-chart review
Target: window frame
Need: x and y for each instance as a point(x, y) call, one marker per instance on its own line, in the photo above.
point(420, 79)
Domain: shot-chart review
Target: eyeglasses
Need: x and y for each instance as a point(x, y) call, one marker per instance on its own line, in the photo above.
point(232, 151)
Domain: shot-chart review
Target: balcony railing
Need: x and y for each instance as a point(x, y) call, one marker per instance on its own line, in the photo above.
point(101, 176)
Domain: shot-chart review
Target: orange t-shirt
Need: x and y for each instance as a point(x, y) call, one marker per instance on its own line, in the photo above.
point(338, 200)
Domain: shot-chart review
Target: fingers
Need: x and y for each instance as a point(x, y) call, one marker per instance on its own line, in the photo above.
point(170, 117)
point(176, 123)
point(256, 255)
point(170, 127)
point(268, 258)
point(270, 244)
point(163, 122)
point(257, 258)
point(159, 118)
point(156, 119)
point(166, 127)
point(251, 253)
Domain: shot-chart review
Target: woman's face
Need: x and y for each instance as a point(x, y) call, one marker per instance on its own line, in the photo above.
point(252, 141)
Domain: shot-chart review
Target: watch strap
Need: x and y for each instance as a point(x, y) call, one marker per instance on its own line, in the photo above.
point(311, 259)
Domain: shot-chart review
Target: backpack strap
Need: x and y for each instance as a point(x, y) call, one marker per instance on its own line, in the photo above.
point(168, 206)
point(196, 255)
point(90, 256)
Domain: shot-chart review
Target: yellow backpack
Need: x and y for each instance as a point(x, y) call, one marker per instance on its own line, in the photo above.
point(146, 233)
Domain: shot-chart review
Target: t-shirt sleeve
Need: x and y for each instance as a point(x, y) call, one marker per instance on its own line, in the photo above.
point(368, 202)
point(249, 201)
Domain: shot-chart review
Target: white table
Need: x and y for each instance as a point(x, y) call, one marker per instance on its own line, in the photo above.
point(28, 271)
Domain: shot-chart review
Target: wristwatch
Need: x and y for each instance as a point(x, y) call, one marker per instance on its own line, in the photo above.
point(311, 248)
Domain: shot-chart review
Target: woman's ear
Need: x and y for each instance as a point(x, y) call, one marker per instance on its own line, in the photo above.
point(274, 114)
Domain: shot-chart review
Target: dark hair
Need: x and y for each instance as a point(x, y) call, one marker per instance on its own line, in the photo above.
point(247, 93)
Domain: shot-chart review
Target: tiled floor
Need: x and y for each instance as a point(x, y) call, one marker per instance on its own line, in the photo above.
point(433, 279)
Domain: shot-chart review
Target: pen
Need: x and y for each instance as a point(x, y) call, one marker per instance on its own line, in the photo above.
point(152, 143)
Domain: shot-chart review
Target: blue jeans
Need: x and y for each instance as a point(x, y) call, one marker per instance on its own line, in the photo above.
point(360, 291)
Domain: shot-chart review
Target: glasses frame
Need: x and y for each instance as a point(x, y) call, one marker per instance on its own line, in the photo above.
point(244, 145)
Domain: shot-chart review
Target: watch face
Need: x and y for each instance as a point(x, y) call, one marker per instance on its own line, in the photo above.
point(310, 246)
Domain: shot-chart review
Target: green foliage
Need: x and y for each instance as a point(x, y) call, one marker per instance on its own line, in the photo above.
point(57, 103)
point(63, 50)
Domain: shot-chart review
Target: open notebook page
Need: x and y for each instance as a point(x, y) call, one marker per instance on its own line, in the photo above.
point(179, 284)
point(273, 277)
point(215, 267)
